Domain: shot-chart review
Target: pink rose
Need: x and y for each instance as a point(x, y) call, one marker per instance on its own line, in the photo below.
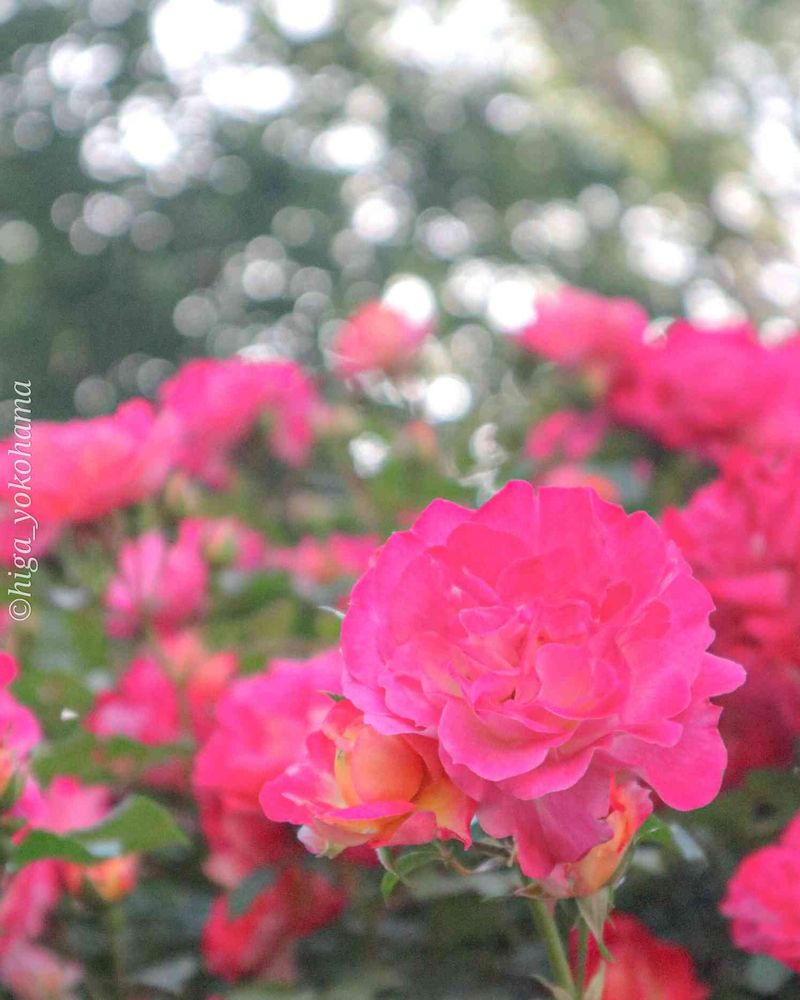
point(19, 730)
point(157, 582)
point(319, 562)
point(225, 541)
point(358, 786)
point(741, 535)
point(547, 641)
point(32, 972)
point(576, 327)
point(83, 469)
point(376, 338)
point(566, 434)
point(702, 389)
point(763, 900)
point(262, 724)
point(262, 942)
point(217, 404)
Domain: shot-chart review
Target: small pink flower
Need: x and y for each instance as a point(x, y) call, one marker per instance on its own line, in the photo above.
point(144, 706)
point(217, 404)
point(156, 582)
point(566, 434)
point(19, 730)
point(575, 327)
point(319, 562)
point(32, 972)
point(225, 541)
point(28, 898)
point(357, 786)
point(376, 338)
point(763, 900)
point(262, 942)
point(547, 641)
point(570, 475)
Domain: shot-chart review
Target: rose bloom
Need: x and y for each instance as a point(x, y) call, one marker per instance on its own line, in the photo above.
point(240, 841)
point(741, 534)
point(643, 967)
point(144, 706)
point(84, 469)
point(579, 328)
point(547, 641)
point(218, 403)
point(164, 698)
point(32, 972)
point(157, 582)
point(262, 942)
point(358, 786)
point(763, 900)
point(319, 562)
point(630, 807)
point(567, 434)
point(376, 338)
point(261, 726)
point(761, 720)
point(225, 541)
point(569, 474)
point(19, 731)
point(200, 677)
point(708, 390)
point(28, 898)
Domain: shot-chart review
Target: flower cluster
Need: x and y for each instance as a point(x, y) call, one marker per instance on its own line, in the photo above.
point(269, 657)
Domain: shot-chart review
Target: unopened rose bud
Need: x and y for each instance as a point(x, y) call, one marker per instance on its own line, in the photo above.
point(111, 880)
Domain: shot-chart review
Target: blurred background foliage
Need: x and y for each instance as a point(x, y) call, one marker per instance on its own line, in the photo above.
point(196, 176)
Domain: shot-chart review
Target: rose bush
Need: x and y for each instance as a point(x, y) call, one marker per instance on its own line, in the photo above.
point(297, 642)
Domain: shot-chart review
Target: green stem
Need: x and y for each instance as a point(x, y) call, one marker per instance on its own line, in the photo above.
point(583, 950)
point(114, 926)
point(548, 932)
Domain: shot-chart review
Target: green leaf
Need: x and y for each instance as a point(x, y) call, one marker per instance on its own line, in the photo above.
point(398, 869)
point(672, 836)
point(389, 883)
point(138, 824)
point(655, 831)
point(594, 910)
point(594, 991)
point(91, 758)
point(243, 896)
point(557, 992)
point(40, 844)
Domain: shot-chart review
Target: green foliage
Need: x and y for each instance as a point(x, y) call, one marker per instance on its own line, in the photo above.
point(137, 824)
